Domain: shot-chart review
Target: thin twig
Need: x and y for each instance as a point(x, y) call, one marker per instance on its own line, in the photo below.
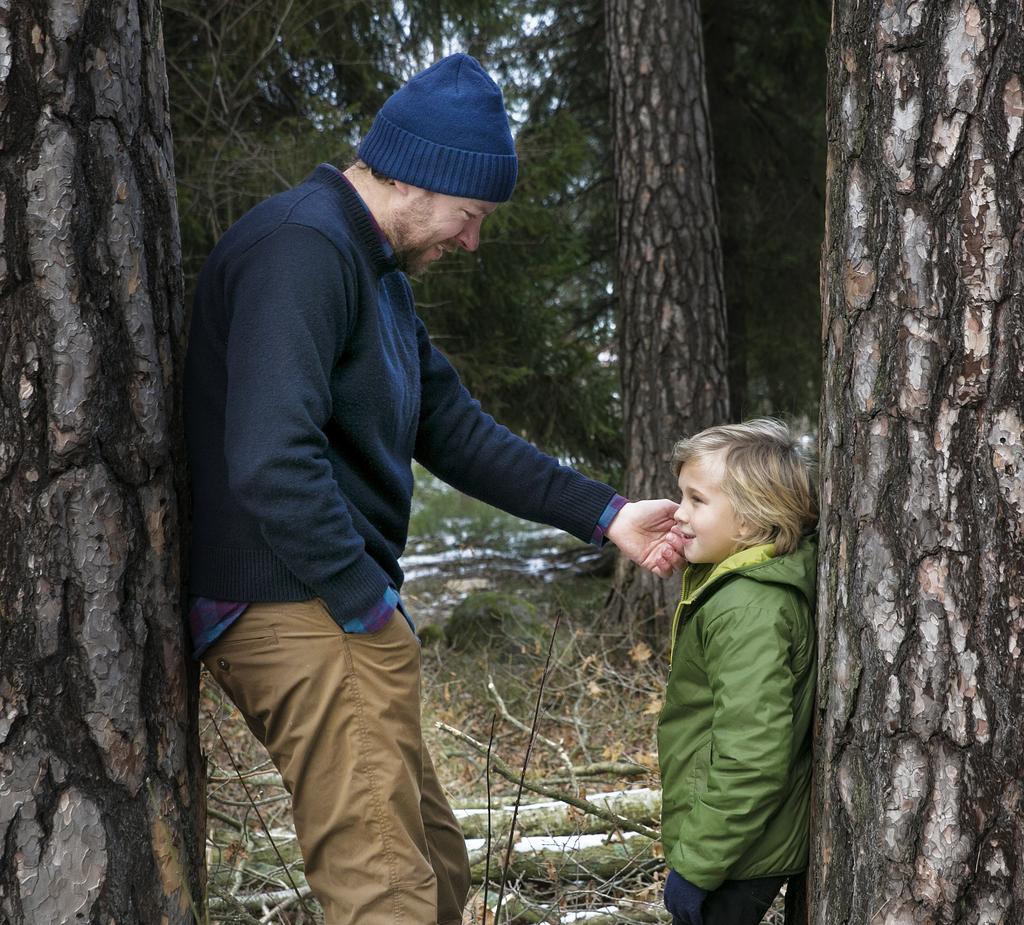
point(557, 747)
point(487, 779)
point(522, 776)
point(225, 818)
point(287, 902)
point(259, 815)
point(259, 775)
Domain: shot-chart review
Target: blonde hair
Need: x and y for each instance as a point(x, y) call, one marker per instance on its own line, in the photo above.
point(769, 478)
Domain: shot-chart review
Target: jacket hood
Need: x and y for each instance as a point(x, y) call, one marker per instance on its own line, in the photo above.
point(797, 570)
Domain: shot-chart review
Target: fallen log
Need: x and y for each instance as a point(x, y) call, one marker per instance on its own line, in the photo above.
point(500, 767)
point(548, 818)
point(621, 809)
point(538, 857)
point(554, 817)
point(567, 857)
point(608, 769)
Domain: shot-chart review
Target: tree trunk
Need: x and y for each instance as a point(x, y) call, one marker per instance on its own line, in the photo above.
point(920, 749)
point(670, 290)
point(101, 795)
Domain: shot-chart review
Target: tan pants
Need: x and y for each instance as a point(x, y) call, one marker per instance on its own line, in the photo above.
point(339, 714)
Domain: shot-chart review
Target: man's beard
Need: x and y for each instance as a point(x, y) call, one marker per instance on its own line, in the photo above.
point(413, 260)
point(411, 255)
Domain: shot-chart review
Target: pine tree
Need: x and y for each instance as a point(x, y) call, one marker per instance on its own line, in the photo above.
point(920, 755)
point(672, 324)
point(101, 786)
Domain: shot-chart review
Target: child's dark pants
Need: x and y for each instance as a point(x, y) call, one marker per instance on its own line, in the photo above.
point(738, 902)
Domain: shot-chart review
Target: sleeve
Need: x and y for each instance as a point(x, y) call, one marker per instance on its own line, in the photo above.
point(465, 447)
point(747, 653)
point(290, 297)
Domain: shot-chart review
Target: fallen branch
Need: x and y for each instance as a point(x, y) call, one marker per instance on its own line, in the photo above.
point(621, 822)
point(578, 771)
point(259, 902)
point(571, 858)
point(555, 817)
point(225, 818)
point(605, 769)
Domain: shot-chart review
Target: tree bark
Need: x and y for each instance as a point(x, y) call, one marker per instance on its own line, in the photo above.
point(672, 324)
point(101, 796)
point(920, 748)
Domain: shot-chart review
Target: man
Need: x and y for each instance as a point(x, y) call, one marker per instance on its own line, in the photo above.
point(310, 386)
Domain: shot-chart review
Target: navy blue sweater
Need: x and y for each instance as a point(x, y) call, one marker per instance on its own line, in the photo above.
point(310, 385)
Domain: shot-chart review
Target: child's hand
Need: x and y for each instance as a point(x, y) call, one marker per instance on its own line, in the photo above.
point(647, 534)
point(683, 899)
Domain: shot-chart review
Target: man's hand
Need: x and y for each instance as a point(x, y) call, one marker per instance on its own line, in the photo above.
point(647, 534)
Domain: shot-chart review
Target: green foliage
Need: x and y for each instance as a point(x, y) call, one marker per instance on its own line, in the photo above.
point(526, 317)
point(262, 90)
point(529, 319)
point(766, 83)
point(494, 620)
point(444, 519)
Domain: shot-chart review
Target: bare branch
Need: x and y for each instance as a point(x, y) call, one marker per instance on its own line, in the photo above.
point(557, 747)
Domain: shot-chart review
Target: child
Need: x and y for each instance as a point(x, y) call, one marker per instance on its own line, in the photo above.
point(734, 737)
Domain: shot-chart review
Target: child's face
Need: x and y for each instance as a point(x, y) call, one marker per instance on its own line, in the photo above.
point(711, 530)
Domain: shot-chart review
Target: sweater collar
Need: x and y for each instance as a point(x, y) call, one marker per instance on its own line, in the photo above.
point(368, 236)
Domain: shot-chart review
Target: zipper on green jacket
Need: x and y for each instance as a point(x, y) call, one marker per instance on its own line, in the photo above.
point(697, 579)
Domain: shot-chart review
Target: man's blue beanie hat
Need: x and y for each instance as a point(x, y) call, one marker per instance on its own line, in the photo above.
point(447, 131)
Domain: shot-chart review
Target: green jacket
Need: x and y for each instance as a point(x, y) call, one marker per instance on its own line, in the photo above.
point(734, 737)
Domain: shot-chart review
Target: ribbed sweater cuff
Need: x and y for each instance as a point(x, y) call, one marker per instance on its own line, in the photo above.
point(356, 592)
point(579, 506)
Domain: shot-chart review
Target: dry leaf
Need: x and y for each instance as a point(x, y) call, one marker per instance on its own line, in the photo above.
point(640, 653)
point(233, 852)
point(647, 759)
point(612, 751)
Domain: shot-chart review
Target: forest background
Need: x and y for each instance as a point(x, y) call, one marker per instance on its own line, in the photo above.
point(263, 91)
point(593, 319)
